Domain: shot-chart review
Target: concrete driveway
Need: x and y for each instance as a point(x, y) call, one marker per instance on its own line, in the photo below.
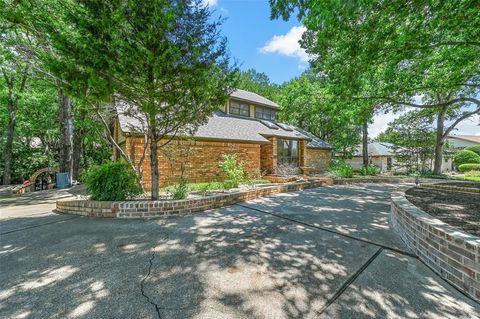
point(319, 253)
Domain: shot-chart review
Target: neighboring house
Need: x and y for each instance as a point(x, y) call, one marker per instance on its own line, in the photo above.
point(379, 154)
point(245, 126)
point(459, 142)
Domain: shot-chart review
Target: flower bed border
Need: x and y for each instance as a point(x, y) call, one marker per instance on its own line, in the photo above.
point(451, 253)
point(148, 208)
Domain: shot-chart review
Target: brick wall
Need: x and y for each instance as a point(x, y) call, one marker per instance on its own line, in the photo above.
point(200, 159)
point(268, 156)
point(147, 208)
point(318, 159)
point(451, 253)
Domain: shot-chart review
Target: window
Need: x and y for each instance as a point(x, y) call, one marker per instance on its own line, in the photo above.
point(389, 163)
point(238, 108)
point(287, 151)
point(264, 113)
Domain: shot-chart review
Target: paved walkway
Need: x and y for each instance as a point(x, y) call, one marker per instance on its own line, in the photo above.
point(320, 253)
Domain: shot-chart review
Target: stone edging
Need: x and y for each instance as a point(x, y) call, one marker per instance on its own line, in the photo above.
point(451, 188)
point(451, 253)
point(147, 208)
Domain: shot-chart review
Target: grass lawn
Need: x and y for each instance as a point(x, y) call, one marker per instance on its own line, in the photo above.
point(210, 186)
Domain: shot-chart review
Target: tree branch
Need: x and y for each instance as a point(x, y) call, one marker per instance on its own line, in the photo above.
point(461, 118)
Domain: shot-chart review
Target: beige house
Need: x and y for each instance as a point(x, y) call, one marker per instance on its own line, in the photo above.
point(459, 142)
point(379, 154)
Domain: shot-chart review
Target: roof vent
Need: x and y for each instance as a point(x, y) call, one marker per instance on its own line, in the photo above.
point(269, 124)
point(286, 127)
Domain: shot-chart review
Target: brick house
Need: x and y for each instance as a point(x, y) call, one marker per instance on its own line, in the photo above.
point(245, 126)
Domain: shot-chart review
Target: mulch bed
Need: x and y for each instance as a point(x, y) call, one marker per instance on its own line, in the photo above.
point(458, 209)
point(462, 184)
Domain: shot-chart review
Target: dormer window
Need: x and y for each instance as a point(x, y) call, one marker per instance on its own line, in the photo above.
point(239, 108)
point(264, 113)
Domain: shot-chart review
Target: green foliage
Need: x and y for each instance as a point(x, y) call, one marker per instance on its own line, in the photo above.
point(181, 189)
point(413, 140)
point(308, 103)
point(370, 170)
point(468, 167)
point(341, 169)
point(466, 157)
point(233, 170)
point(258, 82)
point(112, 181)
point(475, 148)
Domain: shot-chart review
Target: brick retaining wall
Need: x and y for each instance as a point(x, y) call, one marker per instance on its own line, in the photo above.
point(147, 208)
point(451, 253)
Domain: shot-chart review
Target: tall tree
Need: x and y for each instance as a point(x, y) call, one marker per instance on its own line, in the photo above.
point(15, 70)
point(309, 104)
point(392, 52)
point(166, 59)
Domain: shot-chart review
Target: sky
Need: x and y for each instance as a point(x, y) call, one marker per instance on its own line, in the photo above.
point(271, 46)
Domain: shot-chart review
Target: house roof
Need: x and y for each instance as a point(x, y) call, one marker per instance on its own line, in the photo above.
point(469, 138)
point(253, 98)
point(376, 149)
point(221, 126)
point(315, 142)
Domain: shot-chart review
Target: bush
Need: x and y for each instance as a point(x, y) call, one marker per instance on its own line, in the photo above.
point(466, 157)
point(475, 149)
point(469, 167)
point(370, 170)
point(112, 181)
point(233, 169)
point(180, 191)
point(342, 169)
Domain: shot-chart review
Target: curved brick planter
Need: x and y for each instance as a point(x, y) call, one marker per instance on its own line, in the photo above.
point(145, 209)
point(451, 188)
point(451, 253)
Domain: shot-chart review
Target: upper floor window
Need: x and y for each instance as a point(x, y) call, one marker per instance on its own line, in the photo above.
point(265, 113)
point(239, 108)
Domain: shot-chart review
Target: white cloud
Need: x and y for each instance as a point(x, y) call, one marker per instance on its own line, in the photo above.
point(210, 3)
point(287, 44)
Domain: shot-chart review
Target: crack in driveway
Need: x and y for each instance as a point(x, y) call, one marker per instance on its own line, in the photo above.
point(142, 286)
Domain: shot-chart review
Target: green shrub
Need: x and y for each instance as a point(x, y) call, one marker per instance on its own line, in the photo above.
point(180, 191)
point(466, 157)
point(370, 170)
point(469, 167)
point(475, 149)
point(112, 181)
point(233, 170)
point(341, 169)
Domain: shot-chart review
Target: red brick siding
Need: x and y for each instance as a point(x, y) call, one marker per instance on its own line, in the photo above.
point(202, 163)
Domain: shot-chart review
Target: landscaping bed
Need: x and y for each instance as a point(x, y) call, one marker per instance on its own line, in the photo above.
point(458, 209)
point(463, 184)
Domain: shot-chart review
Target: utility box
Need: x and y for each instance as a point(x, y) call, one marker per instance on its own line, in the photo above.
point(63, 180)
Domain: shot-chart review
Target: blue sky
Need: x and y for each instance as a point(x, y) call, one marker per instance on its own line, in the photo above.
point(269, 46)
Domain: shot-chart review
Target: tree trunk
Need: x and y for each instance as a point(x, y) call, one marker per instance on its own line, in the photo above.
point(365, 143)
point(8, 151)
point(154, 161)
point(65, 121)
point(439, 142)
point(77, 148)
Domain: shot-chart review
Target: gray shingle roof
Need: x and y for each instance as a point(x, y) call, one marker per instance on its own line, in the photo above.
point(315, 142)
point(221, 126)
point(253, 98)
point(376, 149)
